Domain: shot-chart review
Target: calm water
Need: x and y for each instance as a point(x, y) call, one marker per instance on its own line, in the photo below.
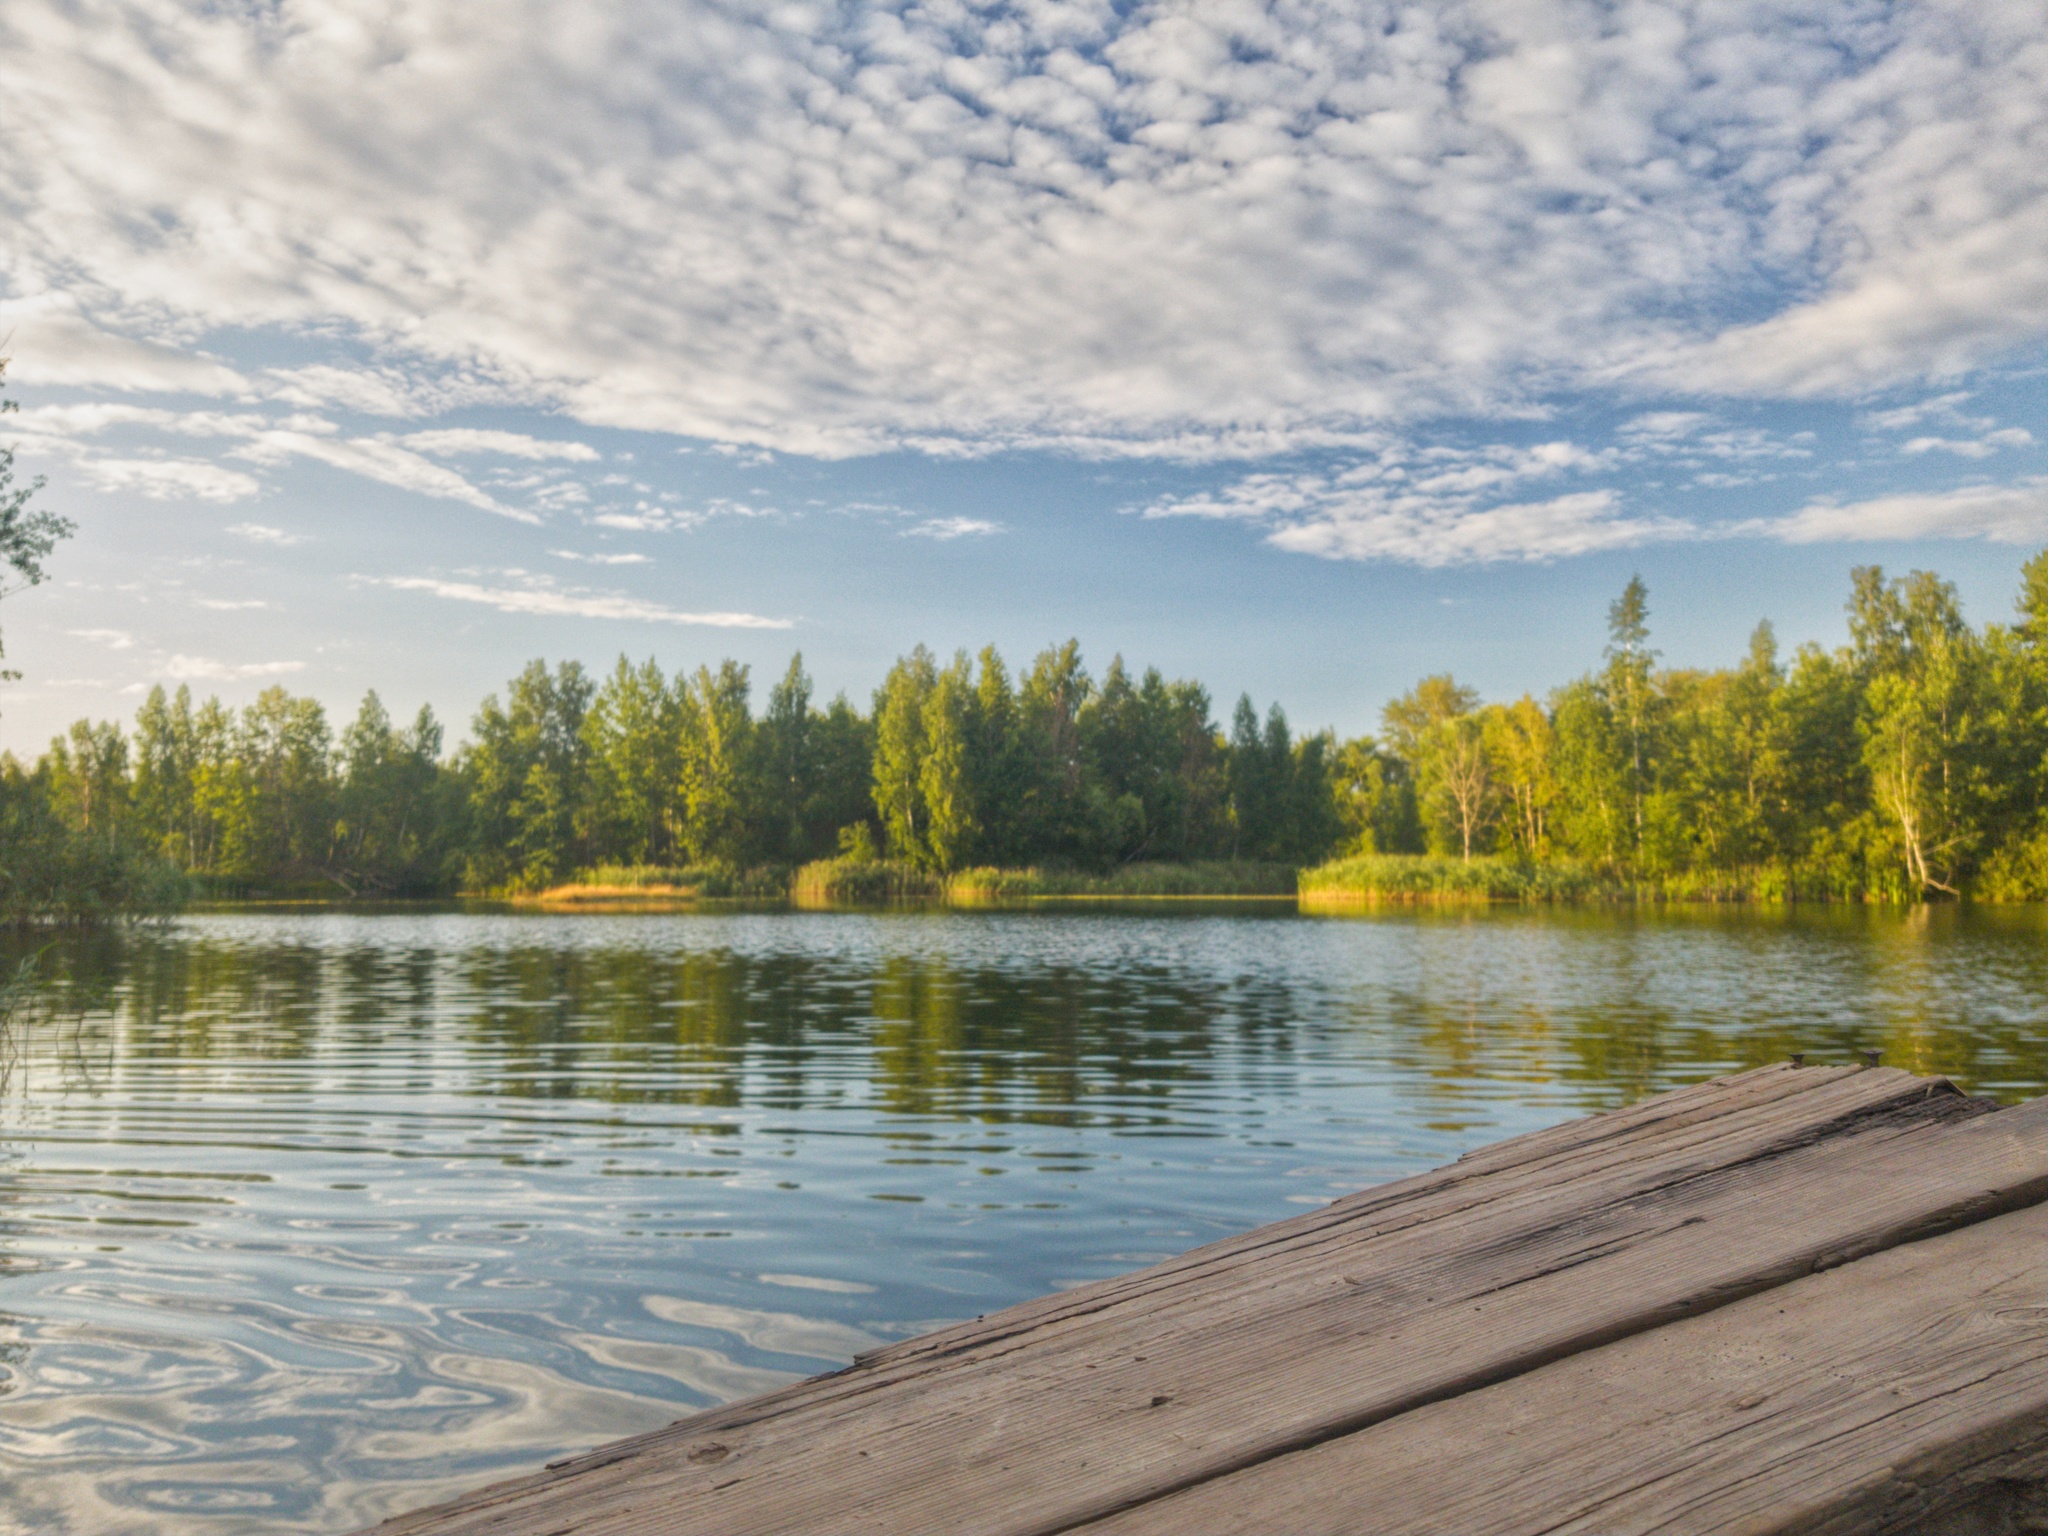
point(305, 1220)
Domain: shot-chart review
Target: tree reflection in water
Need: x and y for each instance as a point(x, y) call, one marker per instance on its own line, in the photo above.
point(305, 1217)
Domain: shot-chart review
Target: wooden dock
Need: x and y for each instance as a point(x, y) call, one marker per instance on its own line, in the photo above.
point(1798, 1299)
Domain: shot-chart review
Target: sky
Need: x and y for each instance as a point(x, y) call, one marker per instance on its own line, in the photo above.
point(1302, 348)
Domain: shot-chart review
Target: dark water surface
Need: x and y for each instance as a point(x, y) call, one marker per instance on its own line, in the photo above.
point(308, 1219)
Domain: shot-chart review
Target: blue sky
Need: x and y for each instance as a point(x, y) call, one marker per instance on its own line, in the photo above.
point(1302, 348)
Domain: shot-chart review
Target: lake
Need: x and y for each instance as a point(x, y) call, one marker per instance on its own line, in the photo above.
point(308, 1218)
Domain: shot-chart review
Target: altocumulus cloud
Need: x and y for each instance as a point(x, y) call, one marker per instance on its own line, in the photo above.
point(1436, 507)
point(1185, 228)
point(183, 668)
point(537, 595)
point(830, 228)
point(2004, 514)
point(946, 529)
point(262, 439)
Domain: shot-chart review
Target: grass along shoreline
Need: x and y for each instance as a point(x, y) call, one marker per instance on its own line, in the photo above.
point(1344, 884)
point(1350, 884)
point(1428, 879)
point(837, 881)
point(628, 886)
point(888, 882)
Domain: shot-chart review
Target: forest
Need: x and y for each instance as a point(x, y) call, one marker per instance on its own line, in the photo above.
point(1910, 764)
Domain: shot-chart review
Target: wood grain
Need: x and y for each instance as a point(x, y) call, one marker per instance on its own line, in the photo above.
point(1070, 1409)
point(1895, 1394)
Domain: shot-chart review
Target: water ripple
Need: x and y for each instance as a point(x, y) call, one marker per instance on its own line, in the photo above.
point(309, 1219)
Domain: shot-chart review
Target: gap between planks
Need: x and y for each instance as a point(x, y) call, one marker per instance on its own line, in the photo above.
point(1522, 1253)
point(1902, 1393)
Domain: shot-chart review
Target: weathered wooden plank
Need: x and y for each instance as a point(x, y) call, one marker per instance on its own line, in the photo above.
point(1713, 1124)
point(1905, 1392)
point(1066, 1410)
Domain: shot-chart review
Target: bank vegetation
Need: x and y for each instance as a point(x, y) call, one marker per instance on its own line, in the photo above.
point(1910, 764)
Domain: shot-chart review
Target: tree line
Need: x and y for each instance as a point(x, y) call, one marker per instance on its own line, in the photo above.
point(951, 765)
point(1911, 763)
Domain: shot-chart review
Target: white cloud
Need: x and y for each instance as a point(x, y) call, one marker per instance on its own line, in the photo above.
point(570, 554)
point(740, 453)
point(171, 479)
point(1917, 207)
point(516, 445)
point(260, 438)
point(2003, 514)
point(542, 598)
point(1435, 506)
point(1146, 229)
point(1971, 447)
point(1418, 532)
point(51, 342)
point(1347, 519)
point(656, 517)
point(260, 533)
point(58, 431)
point(1694, 437)
point(204, 668)
point(1946, 407)
point(1970, 436)
point(946, 528)
point(1664, 427)
point(112, 639)
point(384, 390)
point(377, 459)
point(230, 605)
point(559, 496)
point(88, 418)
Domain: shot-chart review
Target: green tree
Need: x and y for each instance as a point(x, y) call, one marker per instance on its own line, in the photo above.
point(389, 806)
point(2016, 866)
point(1375, 799)
point(946, 780)
point(1255, 776)
point(633, 736)
point(842, 746)
point(1631, 692)
point(1923, 722)
point(1519, 743)
point(1312, 827)
point(52, 865)
point(1054, 819)
point(788, 771)
point(525, 775)
point(815, 770)
point(27, 536)
point(1591, 816)
point(220, 792)
point(721, 802)
point(86, 772)
point(1153, 768)
point(166, 755)
point(900, 744)
point(1127, 756)
point(1199, 800)
point(1283, 793)
point(284, 823)
point(1825, 827)
point(1731, 763)
point(1435, 725)
point(1002, 763)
